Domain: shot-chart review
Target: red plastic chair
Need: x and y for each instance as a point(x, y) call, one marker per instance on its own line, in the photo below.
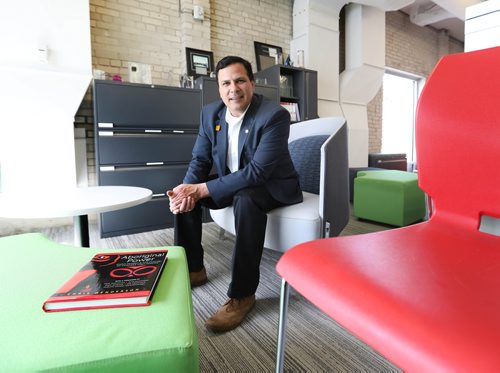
point(426, 296)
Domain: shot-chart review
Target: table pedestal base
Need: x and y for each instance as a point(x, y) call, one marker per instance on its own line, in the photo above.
point(81, 231)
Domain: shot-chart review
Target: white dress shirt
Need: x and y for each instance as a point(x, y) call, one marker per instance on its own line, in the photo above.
point(233, 131)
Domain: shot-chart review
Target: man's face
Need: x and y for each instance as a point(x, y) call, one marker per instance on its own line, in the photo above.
point(235, 88)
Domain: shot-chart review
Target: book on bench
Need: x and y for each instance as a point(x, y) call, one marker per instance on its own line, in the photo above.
point(119, 279)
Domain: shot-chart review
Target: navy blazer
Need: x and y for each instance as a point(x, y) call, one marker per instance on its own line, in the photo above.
point(262, 148)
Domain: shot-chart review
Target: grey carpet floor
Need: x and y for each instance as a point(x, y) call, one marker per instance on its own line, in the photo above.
point(315, 343)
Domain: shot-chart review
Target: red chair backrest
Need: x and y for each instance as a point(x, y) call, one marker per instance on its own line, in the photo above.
point(458, 137)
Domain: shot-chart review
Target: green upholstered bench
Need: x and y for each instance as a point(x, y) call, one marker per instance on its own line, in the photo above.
point(159, 337)
point(389, 196)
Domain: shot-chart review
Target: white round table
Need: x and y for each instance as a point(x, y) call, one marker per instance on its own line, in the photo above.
point(77, 202)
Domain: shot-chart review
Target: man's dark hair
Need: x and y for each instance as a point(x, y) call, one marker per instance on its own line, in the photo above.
point(229, 60)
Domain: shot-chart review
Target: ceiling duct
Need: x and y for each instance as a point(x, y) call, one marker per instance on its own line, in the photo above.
point(423, 15)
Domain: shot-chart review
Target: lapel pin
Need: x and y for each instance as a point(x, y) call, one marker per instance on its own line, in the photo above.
point(217, 128)
point(246, 131)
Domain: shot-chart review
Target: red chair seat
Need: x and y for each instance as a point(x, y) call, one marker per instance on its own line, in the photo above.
point(430, 305)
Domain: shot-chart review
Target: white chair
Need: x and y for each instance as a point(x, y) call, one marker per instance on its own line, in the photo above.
point(318, 149)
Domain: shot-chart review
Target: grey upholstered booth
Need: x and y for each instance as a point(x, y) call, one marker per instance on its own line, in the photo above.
point(319, 151)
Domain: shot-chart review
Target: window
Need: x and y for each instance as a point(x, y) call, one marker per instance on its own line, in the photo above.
point(400, 95)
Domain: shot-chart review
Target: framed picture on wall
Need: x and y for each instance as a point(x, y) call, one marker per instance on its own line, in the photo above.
point(267, 55)
point(199, 63)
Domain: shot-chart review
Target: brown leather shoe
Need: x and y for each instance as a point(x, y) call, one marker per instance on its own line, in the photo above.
point(198, 278)
point(231, 314)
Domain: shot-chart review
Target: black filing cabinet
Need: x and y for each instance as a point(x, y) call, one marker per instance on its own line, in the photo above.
point(144, 136)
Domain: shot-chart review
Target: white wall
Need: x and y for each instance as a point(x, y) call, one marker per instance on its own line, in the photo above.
point(45, 73)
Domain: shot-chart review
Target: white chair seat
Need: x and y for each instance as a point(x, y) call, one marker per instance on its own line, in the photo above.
point(318, 148)
point(302, 222)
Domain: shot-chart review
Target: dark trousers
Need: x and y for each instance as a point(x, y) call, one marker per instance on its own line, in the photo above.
point(250, 207)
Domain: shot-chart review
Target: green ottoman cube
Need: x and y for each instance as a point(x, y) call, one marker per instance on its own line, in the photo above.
point(154, 338)
point(390, 196)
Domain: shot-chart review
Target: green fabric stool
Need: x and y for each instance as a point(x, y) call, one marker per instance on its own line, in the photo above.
point(159, 337)
point(390, 196)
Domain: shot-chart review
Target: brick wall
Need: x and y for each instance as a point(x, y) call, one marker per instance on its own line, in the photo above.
point(374, 109)
point(236, 24)
point(412, 49)
point(148, 32)
point(156, 32)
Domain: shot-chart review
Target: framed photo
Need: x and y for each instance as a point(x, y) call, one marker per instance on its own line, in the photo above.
point(267, 55)
point(199, 63)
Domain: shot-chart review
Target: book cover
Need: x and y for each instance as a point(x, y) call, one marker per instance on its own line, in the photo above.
point(121, 279)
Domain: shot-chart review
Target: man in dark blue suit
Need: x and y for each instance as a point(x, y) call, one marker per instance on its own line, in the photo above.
point(245, 138)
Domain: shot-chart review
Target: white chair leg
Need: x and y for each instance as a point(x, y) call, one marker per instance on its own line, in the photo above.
point(280, 355)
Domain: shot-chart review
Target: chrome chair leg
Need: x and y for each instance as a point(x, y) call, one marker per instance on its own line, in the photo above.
point(280, 355)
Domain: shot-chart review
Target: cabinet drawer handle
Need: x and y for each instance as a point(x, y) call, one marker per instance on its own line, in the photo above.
point(390, 160)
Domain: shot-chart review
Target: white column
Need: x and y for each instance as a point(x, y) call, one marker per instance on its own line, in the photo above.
point(363, 74)
point(316, 32)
